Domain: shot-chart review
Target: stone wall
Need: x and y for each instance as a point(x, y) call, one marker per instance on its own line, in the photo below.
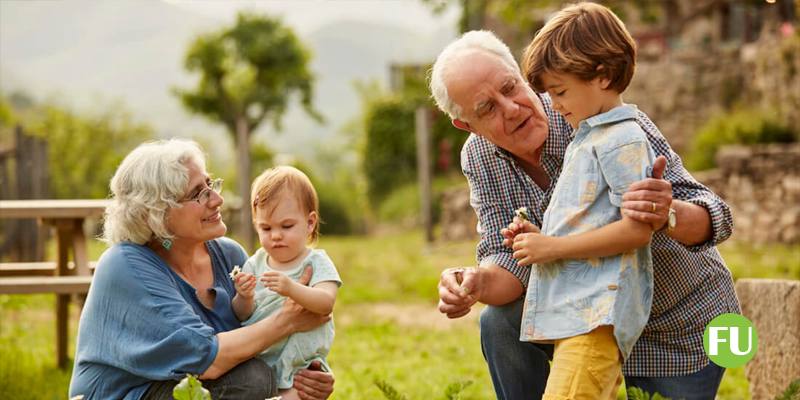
point(773, 305)
point(682, 89)
point(762, 186)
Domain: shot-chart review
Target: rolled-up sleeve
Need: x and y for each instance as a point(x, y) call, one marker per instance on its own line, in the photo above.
point(688, 189)
point(494, 207)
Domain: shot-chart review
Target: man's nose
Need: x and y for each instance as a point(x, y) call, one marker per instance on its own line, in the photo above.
point(510, 108)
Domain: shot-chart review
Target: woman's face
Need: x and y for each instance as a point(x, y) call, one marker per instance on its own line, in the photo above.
point(197, 220)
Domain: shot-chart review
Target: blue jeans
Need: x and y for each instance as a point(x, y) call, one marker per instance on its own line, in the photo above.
point(519, 370)
point(249, 380)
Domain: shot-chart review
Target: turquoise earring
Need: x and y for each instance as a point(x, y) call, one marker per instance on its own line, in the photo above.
point(166, 244)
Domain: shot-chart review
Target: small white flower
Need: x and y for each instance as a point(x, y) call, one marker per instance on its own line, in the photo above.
point(274, 398)
point(522, 213)
point(236, 271)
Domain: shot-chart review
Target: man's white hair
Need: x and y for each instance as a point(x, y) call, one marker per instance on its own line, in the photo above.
point(470, 41)
point(148, 182)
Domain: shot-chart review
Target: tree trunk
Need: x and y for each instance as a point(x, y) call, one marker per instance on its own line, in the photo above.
point(243, 165)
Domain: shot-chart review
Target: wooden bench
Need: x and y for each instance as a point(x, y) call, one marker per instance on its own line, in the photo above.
point(44, 268)
point(45, 284)
point(64, 278)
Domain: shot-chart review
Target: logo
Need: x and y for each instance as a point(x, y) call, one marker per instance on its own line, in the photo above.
point(730, 340)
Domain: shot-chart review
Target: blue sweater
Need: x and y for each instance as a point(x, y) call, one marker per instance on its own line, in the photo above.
point(142, 322)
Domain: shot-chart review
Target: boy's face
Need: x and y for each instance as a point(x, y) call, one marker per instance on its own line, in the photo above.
point(284, 231)
point(577, 99)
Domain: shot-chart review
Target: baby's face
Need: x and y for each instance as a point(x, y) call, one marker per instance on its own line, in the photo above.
point(284, 231)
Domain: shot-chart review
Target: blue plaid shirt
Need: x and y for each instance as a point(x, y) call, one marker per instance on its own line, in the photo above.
point(692, 285)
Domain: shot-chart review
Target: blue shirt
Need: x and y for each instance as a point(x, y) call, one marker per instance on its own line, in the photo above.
point(692, 283)
point(142, 322)
point(571, 297)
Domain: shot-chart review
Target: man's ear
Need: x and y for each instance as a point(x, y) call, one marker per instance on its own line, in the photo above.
point(461, 125)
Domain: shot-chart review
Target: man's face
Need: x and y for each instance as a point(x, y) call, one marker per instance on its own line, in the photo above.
point(496, 103)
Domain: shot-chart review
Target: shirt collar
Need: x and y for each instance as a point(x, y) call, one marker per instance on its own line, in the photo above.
point(616, 114)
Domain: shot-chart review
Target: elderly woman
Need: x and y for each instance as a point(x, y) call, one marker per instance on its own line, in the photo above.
point(160, 302)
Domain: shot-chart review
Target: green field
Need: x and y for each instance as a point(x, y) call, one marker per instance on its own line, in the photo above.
point(387, 327)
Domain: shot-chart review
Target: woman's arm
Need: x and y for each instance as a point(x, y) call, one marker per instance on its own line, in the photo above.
point(246, 342)
point(615, 238)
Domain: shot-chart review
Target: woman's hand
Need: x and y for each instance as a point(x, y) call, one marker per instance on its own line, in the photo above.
point(313, 384)
point(297, 318)
point(245, 284)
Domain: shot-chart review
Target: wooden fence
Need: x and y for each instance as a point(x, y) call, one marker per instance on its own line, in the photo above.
point(24, 174)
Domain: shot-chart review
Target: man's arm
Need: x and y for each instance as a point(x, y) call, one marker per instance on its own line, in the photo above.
point(703, 218)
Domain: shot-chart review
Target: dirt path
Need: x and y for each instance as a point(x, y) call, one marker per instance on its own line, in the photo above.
point(410, 315)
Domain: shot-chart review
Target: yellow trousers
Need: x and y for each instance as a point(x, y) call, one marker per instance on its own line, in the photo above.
point(588, 366)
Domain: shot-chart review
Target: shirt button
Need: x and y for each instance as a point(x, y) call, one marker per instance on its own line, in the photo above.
point(613, 287)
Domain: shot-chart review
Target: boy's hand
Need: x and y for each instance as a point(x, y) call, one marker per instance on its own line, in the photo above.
point(515, 228)
point(533, 248)
point(278, 282)
point(245, 284)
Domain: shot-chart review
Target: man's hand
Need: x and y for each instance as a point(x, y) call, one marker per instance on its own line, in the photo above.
point(312, 383)
point(534, 248)
point(516, 227)
point(648, 201)
point(459, 290)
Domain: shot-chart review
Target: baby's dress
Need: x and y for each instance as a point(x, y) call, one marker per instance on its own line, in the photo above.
point(297, 351)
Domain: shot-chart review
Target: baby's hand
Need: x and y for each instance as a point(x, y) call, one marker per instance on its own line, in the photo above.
point(277, 281)
point(245, 284)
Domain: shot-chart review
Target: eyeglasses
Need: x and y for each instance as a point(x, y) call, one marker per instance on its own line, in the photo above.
point(202, 196)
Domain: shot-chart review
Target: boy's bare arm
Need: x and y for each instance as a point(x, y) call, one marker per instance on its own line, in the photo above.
point(615, 238)
point(318, 299)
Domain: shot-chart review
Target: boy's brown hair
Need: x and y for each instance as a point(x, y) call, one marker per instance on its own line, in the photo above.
point(586, 40)
point(274, 181)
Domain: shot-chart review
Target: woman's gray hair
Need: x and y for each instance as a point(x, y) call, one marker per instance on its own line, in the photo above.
point(473, 40)
point(148, 182)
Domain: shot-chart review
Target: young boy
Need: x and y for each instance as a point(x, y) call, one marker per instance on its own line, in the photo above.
point(592, 309)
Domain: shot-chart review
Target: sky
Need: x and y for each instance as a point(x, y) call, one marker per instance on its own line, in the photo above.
point(90, 54)
point(308, 15)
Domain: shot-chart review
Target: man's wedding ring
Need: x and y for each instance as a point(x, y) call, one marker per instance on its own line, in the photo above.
point(654, 206)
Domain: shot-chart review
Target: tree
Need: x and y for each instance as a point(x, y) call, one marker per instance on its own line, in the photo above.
point(248, 73)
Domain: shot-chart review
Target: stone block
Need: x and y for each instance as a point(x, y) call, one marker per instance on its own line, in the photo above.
point(773, 305)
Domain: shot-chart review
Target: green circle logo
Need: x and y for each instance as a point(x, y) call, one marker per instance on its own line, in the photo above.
point(730, 340)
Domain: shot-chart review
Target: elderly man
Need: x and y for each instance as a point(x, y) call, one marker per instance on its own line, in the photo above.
point(512, 159)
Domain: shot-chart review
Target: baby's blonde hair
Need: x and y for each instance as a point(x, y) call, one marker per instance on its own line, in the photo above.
point(274, 181)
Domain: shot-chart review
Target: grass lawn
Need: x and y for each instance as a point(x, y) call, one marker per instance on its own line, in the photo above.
point(387, 329)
